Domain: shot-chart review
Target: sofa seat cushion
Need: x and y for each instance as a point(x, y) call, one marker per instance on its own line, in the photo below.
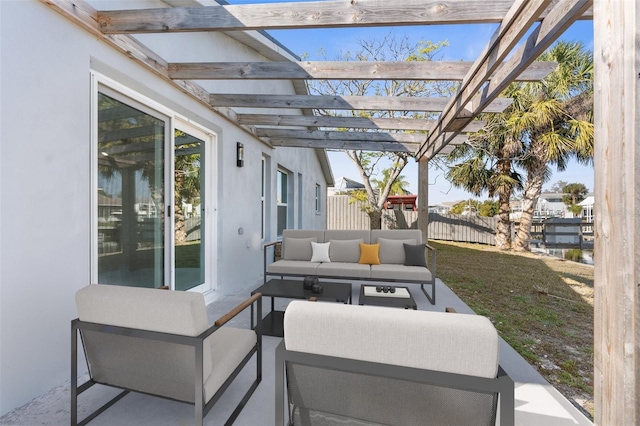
point(341, 269)
point(400, 272)
point(228, 346)
point(292, 267)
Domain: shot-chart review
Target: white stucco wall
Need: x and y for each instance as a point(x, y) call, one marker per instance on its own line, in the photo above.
point(45, 182)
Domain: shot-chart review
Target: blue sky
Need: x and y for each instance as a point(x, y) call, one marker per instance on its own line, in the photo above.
point(465, 43)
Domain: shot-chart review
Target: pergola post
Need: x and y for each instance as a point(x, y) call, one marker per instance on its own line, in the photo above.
point(423, 197)
point(617, 212)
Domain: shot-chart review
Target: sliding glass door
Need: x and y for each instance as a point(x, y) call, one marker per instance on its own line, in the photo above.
point(189, 226)
point(151, 216)
point(131, 196)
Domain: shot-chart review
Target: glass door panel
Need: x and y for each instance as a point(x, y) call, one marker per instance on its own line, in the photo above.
point(188, 207)
point(131, 168)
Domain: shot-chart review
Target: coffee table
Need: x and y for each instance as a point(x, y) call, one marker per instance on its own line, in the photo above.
point(402, 298)
point(272, 323)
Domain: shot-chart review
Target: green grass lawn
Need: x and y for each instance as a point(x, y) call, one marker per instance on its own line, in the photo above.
point(541, 305)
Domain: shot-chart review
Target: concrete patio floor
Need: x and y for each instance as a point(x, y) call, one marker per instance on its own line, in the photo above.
point(537, 402)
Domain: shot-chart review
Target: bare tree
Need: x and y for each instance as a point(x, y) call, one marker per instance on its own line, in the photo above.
point(387, 164)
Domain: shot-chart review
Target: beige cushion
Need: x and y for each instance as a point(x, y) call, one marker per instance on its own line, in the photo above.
point(392, 251)
point(297, 248)
point(455, 343)
point(345, 250)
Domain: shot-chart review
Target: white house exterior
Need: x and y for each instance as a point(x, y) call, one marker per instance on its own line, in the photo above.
point(83, 201)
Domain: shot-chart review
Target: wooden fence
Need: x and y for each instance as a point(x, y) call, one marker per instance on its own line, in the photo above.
point(451, 227)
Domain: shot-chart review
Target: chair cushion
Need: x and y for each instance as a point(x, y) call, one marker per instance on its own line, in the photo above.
point(369, 254)
point(392, 250)
point(348, 234)
point(455, 343)
point(228, 346)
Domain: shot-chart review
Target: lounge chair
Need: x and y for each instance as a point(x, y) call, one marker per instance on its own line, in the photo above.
point(369, 365)
point(158, 342)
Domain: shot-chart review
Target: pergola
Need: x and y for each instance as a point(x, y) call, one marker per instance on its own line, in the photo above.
point(506, 58)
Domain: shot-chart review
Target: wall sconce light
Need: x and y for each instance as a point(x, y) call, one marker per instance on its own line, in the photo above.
point(239, 155)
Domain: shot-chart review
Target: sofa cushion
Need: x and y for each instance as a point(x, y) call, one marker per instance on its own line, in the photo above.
point(320, 252)
point(392, 250)
point(341, 269)
point(297, 248)
point(345, 250)
point(420, 339)
point(415, 255)
point(396, 234)
point(292, 267)
point(369, 254)
point(395, 272)
point(347, 234)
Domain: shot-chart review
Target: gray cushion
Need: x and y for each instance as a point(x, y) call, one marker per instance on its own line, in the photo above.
point(340, 269)
point(345, 250)
point(396, 234)
point(347, 234)
point(391, 271)
point(295, 267)
point(392, 251)
point(414, 255)
point(298, 248)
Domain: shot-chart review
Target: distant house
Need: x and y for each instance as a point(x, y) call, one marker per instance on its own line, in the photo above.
point(344, 185)
point(551, 205)
point(401, 202)
point(442, 208)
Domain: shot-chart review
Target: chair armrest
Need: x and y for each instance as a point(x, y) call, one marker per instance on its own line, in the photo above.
point(264, 250)
point(235, 311)
point(432, 264)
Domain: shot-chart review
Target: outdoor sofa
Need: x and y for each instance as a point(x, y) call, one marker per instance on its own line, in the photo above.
point(369, 365)
point(158, 342)
point(370, 255)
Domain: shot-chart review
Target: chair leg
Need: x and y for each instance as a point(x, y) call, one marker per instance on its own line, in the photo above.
point(432, 296)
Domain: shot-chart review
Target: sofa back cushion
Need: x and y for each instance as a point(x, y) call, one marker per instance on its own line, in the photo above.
point(296, 243)
point(347, 251)
point(397, 234)
point(348, 234)
point(392, 251)
point(155, 367)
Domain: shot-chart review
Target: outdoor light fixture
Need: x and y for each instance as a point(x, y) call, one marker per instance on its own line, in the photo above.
point(239, 155)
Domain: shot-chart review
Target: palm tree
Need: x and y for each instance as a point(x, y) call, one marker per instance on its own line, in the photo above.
point(556, 123)
point(398, 186)
point(486, 164)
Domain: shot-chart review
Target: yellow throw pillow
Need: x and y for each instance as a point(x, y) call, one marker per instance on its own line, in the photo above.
point(369, 254)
